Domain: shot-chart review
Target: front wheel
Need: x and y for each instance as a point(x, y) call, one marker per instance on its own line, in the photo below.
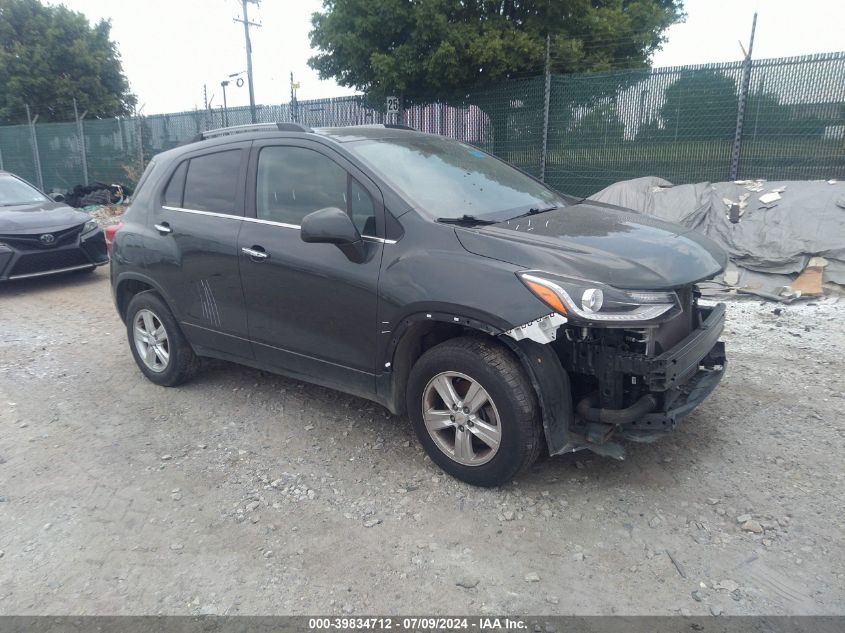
point(474, 411)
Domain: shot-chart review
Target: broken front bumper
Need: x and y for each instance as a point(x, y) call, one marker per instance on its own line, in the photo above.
point(681, 400)
point(660, 390)
point(675, 367)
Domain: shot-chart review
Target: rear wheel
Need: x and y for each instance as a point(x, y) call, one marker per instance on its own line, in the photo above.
point(158, 345)
point(474, 411)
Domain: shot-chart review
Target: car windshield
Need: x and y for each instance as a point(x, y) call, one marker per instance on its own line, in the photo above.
point(14, 191)
point(449, 179)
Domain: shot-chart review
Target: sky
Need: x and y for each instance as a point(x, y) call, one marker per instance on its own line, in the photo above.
point(171, 48)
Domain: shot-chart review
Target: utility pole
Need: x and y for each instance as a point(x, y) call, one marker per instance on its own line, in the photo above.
point(245, 21)
point(743, 99)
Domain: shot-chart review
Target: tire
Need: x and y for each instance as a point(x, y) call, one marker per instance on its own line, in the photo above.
point(149, 312)
point(511, 408)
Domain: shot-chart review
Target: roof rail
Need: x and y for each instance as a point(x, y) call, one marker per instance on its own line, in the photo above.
point(251, 127)
point(399, 126)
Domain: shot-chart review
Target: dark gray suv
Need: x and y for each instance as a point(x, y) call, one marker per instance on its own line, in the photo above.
point(422, 273)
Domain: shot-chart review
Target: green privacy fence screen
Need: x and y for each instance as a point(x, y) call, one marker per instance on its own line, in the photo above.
point(578, 132)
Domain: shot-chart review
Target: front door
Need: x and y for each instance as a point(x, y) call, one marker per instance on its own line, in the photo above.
point(196, 259)
point(311, 311)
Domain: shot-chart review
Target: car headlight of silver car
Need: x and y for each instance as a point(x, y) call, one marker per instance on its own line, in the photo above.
point(90, 225)
point(590, 301)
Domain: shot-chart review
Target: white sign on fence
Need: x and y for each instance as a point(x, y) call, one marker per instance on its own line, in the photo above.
point(393, 105)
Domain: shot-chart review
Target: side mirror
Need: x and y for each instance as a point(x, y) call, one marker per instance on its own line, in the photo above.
point(57, 197)
point(333, 226)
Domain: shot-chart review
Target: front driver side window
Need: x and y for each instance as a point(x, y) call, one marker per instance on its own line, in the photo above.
point(361, 209)
point(294, 181)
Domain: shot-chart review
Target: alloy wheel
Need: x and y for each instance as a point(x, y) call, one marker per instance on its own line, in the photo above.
point(151, 340)
point(461, 418)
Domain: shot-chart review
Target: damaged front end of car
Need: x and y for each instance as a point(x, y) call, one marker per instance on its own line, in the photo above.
point(636, 362)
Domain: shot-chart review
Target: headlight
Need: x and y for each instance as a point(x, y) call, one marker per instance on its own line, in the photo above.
point(90, 225)
point(592, 301)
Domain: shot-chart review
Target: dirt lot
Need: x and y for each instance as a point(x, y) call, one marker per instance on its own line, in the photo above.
point(246, 493)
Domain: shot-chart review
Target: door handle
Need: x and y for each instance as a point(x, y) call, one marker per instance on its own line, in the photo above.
point(254, 253)
point(163, 228)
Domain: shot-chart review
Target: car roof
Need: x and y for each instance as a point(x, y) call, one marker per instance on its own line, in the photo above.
point(364, 132)
point(224, 136)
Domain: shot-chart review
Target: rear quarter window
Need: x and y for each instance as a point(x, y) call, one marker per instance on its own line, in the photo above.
point(151, 167)
point(176, 187)
point(211, 183)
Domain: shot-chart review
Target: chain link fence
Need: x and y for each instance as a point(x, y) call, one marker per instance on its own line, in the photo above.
point(680, 123)
point(583, 133)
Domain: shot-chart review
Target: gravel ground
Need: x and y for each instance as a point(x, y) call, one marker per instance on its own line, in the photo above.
point(247, 493)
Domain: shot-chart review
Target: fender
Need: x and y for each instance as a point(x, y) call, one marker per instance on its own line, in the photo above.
point(548, 378)
point(136, 276)
point(390, 384)
point(551, 383)
point(442, 313)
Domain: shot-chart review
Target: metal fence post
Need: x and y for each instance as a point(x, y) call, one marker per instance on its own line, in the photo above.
point(740, 119)
point(80, 131)
point(1, 159)
point(140, 142)
point(35, 155)
point(546, 98)
point(743, 100)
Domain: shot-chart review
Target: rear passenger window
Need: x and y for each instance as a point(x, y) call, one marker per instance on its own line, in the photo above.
point(294, 181)
point(176, 186)
point(212, 182)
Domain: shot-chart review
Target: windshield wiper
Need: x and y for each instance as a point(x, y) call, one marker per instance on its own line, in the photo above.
point(533, 211)
point(466, 220)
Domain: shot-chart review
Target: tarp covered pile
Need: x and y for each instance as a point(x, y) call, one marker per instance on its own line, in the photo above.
point(772, 230)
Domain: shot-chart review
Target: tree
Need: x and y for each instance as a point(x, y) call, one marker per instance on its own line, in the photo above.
point(766, 116)
point(599, 127)
point(50, 55)
point(429, 50)
point(700, 105)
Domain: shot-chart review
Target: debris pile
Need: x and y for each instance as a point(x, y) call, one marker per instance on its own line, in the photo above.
point(97, 194)
point(107, 215)
point(786, 239)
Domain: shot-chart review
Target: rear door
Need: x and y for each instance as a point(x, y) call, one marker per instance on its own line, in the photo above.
point(196, 259)
point(312, 311)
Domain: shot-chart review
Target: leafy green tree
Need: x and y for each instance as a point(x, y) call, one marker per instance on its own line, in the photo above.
point(766, 116)
point(700, 105)
point(50, 55)
point(599, 127)
point(429, 50)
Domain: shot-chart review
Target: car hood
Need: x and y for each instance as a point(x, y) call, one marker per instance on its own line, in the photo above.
point(40, 217)
point(603, 243)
